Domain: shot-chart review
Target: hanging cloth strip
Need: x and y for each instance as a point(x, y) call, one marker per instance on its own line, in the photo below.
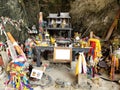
point(95, 53)
point(92, 50)
point(92, 63)
point(114, 65)
point(96, 47)
point(81, 66)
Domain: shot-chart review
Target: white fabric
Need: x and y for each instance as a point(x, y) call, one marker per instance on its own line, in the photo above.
point(82, 63)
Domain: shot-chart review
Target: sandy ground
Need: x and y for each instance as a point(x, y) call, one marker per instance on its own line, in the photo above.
point(64, 74)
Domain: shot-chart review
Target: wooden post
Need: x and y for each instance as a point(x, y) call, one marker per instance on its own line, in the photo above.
point(15, 44)
point(113, 26)
point(91, 34)
point(40, 22)
point(4, 58)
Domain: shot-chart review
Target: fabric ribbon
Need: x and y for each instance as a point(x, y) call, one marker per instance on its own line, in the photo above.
point(96, 47)
point(114, 65)
point(81, 66)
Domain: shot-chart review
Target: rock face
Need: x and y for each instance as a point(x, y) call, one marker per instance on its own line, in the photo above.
point(26, 10)
point(3, 8)
point(87, 15)
point(20, 9)
point(93, 15)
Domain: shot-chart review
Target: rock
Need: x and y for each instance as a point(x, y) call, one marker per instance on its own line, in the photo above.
point(73, 65)
point(37, 88)
point(99, 13)
point(96, 81)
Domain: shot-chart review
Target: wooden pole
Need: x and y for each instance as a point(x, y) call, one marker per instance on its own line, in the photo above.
point(40, 22)
point(15, 44)
point(91, 34)
point(113, 26)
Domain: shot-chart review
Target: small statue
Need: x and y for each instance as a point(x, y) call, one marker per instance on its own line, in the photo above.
point(34, 29)
point(53, 23)
point(47, 36)
point(77, 36)
point(63, 23)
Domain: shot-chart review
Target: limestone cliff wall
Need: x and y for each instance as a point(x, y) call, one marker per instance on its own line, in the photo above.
point(87, 15)
point(95, 15)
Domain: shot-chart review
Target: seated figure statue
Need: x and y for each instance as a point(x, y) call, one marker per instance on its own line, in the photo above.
point(63, 24)
point(53, 23)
